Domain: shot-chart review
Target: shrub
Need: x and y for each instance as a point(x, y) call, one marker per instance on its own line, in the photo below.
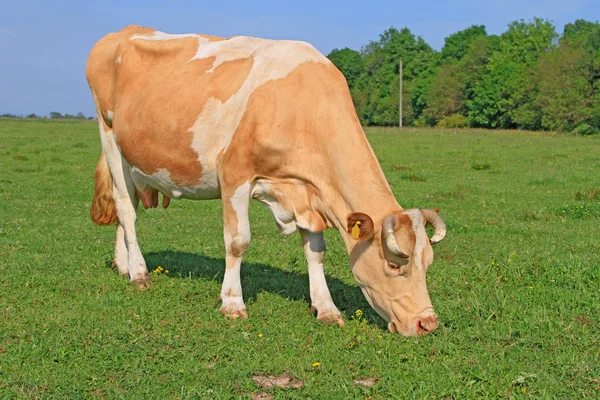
point(453, 121)
point(585, 129)
point(423, 121)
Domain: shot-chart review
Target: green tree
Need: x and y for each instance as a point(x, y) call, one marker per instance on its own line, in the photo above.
point(55, 115)
point(569, 79)
point(349, 62)
point(445, 96)
point(457, 45)
point(379, 81)
point(503, 97)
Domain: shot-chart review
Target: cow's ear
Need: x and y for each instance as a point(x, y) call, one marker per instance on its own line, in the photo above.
point(360, 226)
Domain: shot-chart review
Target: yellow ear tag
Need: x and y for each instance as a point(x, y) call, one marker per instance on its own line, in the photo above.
point(355, 230)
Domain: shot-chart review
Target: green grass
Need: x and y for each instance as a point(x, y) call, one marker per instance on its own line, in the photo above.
point(516, 283)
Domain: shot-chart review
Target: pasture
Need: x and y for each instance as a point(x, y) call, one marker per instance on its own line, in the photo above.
point(516, 282)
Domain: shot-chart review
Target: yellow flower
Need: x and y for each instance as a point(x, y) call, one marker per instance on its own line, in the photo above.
point(358, 312)
point(530, 287)
point(316, 364)
point(379, 336)
point(166, 271)
point(260, 335)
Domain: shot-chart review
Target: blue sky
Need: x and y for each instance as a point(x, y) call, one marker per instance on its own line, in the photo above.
point(44, 44)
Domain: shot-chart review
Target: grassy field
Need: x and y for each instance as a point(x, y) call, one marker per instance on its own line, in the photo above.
point(516, 282)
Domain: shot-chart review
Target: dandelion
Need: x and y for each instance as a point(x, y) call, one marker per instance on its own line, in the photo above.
point(493, 263)
point(260, 335)
point(316, 364)
point(530, 287)
point(379, 336)
point(166, 271)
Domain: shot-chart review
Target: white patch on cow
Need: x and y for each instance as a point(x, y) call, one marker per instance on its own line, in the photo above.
point(118, 60)
point(272, 60)
point(109, 115)
point(239, 202)
point(231, 290)
point(421, 235)
point(121, 254)
point(314, 251)
point(158, 35)
point(227, 50)
point(162, 181)
point(284, 219)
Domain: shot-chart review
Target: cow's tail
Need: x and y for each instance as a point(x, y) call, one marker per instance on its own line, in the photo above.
point(103, 210)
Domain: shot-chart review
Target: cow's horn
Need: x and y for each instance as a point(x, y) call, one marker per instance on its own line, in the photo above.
point(389, 225)
point(438, 224)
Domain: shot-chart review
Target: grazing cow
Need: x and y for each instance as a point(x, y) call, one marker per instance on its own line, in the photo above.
point(202, 117)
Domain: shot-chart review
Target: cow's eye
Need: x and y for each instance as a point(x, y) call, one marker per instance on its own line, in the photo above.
point(400, 269)
point(393, 266)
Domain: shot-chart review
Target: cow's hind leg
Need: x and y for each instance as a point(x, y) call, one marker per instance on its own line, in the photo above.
point(121, 262)
point(236, 227)
point(321, 301)
point(125, 201)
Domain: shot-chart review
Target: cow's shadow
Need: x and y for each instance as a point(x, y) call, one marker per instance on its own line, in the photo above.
point(258, 278)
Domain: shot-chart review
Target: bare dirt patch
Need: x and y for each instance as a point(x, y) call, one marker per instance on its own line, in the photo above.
point(283, 381)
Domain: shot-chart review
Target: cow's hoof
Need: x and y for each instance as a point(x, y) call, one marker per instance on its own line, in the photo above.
point(329, 316)
point(233, 307)
point(142, 282)
point(234, 314)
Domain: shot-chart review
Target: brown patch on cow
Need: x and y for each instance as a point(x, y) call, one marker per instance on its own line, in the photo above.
point(161, 95)
point(166, 104)
point(237, 249)
point(367, 230)
point(283, 381)
point(405, 234)
point(405, 225)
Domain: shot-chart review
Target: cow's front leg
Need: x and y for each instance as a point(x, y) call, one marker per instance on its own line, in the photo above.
point(236, 227)
point(321, 301)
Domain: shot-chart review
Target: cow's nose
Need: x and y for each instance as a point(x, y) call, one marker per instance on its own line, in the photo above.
point(426, 325)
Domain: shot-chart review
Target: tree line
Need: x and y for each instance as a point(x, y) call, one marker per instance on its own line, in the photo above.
point(529, 77)
point(52, 115)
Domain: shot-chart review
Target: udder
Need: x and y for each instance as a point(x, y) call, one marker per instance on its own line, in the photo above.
point(149, 197)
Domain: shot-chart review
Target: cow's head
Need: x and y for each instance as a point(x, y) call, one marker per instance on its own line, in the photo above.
point(389, 261)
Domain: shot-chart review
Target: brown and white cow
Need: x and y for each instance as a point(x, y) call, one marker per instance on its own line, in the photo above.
point(202, 117)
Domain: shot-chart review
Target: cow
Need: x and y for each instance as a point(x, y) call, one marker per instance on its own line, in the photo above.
point(203, 117)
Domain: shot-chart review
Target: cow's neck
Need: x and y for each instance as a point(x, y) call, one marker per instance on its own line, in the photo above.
point(358, 184)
